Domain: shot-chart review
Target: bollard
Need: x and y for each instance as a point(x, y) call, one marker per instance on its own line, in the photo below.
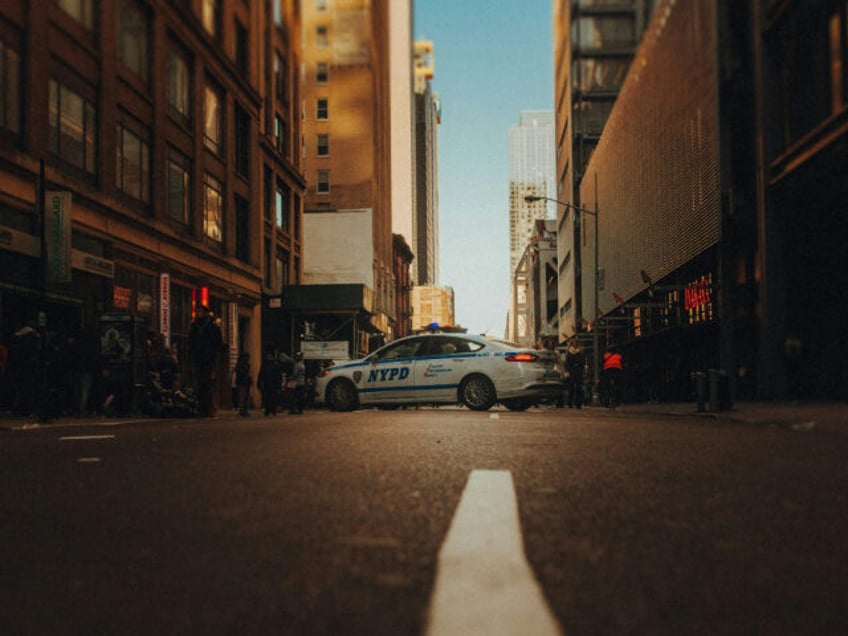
point(701, 390)
point(714, 392)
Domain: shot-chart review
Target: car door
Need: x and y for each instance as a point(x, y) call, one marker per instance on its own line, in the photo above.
point(388, 377)
point(441, 366)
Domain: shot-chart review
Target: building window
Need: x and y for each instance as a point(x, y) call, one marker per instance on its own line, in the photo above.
point(322, 108)
point(320, 5)
point(213, 125)
point(323, 145)
point(10, 88)
point(323, 181)
point(281, 135)
point(321, 40)
point(242, 217)
point(280, 81)
point(178, 185)
point(282, 270)
point(179, 86)
point(268, 189)
point(267, 260)
point(132, 171)
point(132, 37)
point(322, 73)
point(281, 206)
point(242, 51)
point(212, 17)
point(72, 127)
point(242, 141)
point(80, 10)
point(213, 209)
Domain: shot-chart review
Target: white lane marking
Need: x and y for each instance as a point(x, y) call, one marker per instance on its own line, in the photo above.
point(88, 460)
point(78, 437)
point(484, 584)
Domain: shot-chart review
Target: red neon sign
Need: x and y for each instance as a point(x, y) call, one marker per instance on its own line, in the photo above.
point(698, 294)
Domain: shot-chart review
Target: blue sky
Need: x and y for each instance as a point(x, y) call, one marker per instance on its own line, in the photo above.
point(493, 59)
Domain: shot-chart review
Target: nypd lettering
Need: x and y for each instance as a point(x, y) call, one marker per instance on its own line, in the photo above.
point(388, 375)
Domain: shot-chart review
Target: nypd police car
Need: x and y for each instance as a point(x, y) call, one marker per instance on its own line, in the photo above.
point(443, 368)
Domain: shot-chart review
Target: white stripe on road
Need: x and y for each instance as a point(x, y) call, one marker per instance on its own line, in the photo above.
point(78, 437)
point(484, 584)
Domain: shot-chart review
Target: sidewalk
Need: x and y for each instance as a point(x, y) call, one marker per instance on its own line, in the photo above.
point(798, 417)
point(794, 416)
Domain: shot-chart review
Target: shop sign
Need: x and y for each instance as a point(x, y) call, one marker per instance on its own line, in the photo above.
point(57, 236)
point(121, 297)
point(92, 264)
point(165, 307)
point(20, 242)
point(327, 350)
point(698, 294)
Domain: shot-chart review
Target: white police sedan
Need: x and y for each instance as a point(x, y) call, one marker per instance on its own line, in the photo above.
point(445, 368)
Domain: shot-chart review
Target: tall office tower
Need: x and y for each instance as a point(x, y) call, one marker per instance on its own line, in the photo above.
point(594, 43)
point(149, 126)
point(347, 158)
point(531, 172)
point(425, 232)
point(402, 81)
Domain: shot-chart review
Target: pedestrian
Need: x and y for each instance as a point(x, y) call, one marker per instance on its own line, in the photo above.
point(167, 369)
point(298, 380)
point(205, 345)
point(4, 378)
point(575, 363)
point(244, 381)
point(611, 375)
point(24, 357)
point(793, 351)
point(269, 382)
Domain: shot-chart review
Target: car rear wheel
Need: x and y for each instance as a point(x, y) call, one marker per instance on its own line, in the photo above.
point(477, 393)
point(341, 396)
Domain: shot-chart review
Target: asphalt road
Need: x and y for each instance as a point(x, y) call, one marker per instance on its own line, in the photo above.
point(332, 523)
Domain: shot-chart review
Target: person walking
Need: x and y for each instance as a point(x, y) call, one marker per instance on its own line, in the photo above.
point(205, 344)
point(269, 382)
point(575, 363)
point(298, 379)
point(243, 382)
point(611, 375)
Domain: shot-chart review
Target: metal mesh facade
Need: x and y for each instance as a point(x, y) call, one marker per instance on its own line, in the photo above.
point(656, 167)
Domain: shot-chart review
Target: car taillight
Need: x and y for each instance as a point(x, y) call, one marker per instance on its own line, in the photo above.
point(521, 357)
point(324, 373)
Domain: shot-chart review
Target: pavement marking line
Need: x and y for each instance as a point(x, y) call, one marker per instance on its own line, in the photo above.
point(484, 584)
point(68, 438)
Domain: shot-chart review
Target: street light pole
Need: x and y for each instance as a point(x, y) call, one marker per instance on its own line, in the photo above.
point(596, 354)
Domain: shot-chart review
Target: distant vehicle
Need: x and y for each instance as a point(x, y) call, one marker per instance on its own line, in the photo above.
point(443, 368)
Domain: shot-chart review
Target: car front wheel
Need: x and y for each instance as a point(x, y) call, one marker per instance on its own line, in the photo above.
point(477, 393)
point(341, 396)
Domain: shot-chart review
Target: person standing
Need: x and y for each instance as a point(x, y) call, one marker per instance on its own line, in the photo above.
point(243, 382)
point(269, 382)
point(205, 344)
point(298, 378)
point(575, 362)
